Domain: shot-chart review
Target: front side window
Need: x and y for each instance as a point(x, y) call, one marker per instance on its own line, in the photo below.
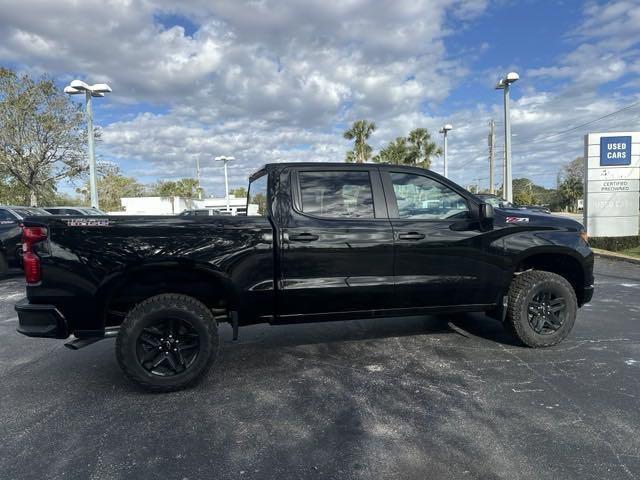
point(421, 197)
point(337, 194)
point(257, 197)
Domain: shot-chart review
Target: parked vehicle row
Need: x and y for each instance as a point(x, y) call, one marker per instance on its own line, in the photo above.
point(498, 202)
point(328, 242)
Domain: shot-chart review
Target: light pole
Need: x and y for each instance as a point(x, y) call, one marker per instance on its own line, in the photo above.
point(504, 84)
point(444, 131)
point(77, 87)
point(198, 178)
point(226, 160)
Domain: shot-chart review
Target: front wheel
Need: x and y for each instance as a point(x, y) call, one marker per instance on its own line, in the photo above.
point(167, 342)
point(542, 308)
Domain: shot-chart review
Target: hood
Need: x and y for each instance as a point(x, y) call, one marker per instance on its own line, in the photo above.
point(528, 218)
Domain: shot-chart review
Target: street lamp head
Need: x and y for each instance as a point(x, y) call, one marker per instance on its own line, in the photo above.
point(72, 90)
point(224, 158)
point(79, 85)
point(100, 88)
point(512, 77)
point(446, 127)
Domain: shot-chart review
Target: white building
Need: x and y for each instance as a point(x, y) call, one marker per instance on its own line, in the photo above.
point(236, 205)
point(176, 205)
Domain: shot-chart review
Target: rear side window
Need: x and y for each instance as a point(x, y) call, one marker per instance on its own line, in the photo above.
point(337, 194)
point(421, 197)
point(257, 197)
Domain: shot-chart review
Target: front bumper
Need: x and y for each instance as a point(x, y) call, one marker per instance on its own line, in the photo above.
point(39, 320)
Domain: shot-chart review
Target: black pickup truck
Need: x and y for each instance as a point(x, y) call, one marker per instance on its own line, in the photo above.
point(329, 242)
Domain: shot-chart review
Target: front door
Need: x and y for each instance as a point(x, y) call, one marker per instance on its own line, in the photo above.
point(336, 243)
point(441, 256)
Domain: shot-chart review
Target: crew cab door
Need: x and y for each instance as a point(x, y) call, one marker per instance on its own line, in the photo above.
point(442, 257)
point(336, 243)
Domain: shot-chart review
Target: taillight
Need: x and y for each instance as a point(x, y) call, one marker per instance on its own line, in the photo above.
point(31, 261)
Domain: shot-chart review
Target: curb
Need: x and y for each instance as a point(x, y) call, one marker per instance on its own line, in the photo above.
point(615, 256)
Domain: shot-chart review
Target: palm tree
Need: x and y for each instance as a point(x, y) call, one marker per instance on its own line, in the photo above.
point(360, 132)
point(395, 152)
point(421, 148)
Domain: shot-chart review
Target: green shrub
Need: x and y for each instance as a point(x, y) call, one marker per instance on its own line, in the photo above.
point(615, 244)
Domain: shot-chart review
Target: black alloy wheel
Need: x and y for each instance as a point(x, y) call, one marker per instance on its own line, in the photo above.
point(546, 312)
point(168, 347)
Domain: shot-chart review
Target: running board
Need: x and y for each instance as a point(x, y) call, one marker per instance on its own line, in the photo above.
point(78, 343)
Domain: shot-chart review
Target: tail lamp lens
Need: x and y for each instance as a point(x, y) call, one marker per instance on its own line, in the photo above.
point(31, 265)
point(31, 261)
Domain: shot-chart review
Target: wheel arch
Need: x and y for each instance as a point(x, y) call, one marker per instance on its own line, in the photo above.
point(562, 261)
point(121, 291)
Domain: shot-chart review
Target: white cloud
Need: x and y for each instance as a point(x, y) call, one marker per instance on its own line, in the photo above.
point(275, 80)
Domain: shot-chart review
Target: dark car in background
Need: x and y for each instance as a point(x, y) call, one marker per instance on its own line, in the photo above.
point(74, 211)
point(498, 202)
point(11, 234)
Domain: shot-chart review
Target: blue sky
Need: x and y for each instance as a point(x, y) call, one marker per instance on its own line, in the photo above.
point(278, 80)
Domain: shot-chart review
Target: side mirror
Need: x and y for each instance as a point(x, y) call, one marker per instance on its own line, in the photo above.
point(486, 216)
point(504, 204)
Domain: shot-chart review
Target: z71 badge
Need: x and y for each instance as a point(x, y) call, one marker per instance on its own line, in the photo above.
point(87, 222)
point(517, 219)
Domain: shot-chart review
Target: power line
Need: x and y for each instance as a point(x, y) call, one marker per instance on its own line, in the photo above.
point(581, 125)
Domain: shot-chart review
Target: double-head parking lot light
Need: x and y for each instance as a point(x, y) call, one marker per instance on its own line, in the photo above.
point(77, 87)
point(503, 84)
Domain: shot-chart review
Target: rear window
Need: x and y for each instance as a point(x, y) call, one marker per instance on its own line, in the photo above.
point(6, 217)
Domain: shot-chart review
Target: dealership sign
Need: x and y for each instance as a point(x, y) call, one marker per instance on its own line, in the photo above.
point(612, 184)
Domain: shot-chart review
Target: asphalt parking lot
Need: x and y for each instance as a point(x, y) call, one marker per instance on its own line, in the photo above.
point(433, 397)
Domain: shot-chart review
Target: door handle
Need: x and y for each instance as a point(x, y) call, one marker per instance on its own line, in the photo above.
point(304, 237)
point(411, 236)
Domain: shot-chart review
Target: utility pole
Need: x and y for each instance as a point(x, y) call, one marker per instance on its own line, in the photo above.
point(492, 142)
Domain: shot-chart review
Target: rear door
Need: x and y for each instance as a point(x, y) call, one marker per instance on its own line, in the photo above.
point(336, 242)
point(442, 258)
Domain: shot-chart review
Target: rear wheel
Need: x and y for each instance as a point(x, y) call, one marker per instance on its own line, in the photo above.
point(167, 342)
point(542, 308)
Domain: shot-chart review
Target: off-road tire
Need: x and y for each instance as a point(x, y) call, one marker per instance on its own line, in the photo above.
point(151, 310)
point(524, 287)
point(4, 266)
